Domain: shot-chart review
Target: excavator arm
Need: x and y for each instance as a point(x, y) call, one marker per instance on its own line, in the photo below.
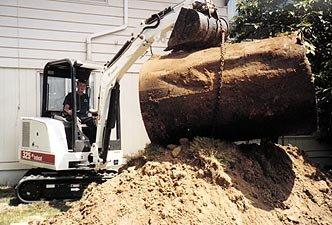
point(194, 25)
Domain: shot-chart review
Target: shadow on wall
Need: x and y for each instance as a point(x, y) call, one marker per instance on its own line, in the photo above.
point(10, 177)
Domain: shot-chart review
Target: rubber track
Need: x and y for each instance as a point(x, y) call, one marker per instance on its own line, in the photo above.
point(43, 184)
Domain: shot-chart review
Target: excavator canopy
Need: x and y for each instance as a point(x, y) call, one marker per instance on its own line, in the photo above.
point(196, 30)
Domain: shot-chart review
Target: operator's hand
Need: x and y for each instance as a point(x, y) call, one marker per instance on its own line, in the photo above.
point(67, 110)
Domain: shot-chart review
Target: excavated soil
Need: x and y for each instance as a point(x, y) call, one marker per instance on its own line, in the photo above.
point(209, 182)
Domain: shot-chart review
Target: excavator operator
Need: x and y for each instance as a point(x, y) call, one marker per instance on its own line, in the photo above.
point(82, 101)
point(82, 105)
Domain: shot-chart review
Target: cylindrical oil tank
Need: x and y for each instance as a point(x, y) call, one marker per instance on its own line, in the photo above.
point(266, 89)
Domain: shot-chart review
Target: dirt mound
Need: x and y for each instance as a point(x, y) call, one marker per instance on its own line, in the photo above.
point(209, 182)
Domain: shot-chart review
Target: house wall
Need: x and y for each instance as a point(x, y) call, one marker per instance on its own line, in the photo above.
point(19, 97)
point(33, 32)
point(317, 152)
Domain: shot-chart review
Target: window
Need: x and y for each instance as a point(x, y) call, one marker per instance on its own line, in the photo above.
point(58, 88)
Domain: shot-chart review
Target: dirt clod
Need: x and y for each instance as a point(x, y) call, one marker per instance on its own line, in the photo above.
point(176, 151)
point(210, 183)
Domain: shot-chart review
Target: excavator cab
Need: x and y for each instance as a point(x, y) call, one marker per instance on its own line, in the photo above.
point(62, 71)
point(65, 73)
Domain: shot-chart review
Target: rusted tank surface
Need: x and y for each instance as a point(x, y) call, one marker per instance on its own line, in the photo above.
point(266, 90)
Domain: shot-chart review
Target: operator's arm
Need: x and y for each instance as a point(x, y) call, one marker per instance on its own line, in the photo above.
point(67, 105)
point(67, 109)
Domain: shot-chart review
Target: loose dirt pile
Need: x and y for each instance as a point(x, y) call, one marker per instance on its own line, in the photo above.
point(209, 182)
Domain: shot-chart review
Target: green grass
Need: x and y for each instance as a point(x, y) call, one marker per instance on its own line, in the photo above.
point(6, 191)
point(6, 194)
point(25, 213)
point(11, 211)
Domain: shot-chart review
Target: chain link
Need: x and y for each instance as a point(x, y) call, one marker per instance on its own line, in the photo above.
point(220, 82)
point(222, 65)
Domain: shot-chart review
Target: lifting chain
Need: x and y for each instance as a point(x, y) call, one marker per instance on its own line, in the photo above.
point(216, 110)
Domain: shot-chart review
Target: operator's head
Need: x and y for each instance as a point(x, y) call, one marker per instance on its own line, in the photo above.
point(81, 86)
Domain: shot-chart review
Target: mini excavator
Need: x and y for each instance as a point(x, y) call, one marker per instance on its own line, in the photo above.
point(65, 159)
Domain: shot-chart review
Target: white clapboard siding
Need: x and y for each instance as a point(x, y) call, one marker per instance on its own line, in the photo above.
point(9, 62)
point(11, 42)
point(52, 29)
point(33, 32)
point(9, 97)
point(9, 52)
point(19, 96)
point(136, 7)
point(133, 133)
